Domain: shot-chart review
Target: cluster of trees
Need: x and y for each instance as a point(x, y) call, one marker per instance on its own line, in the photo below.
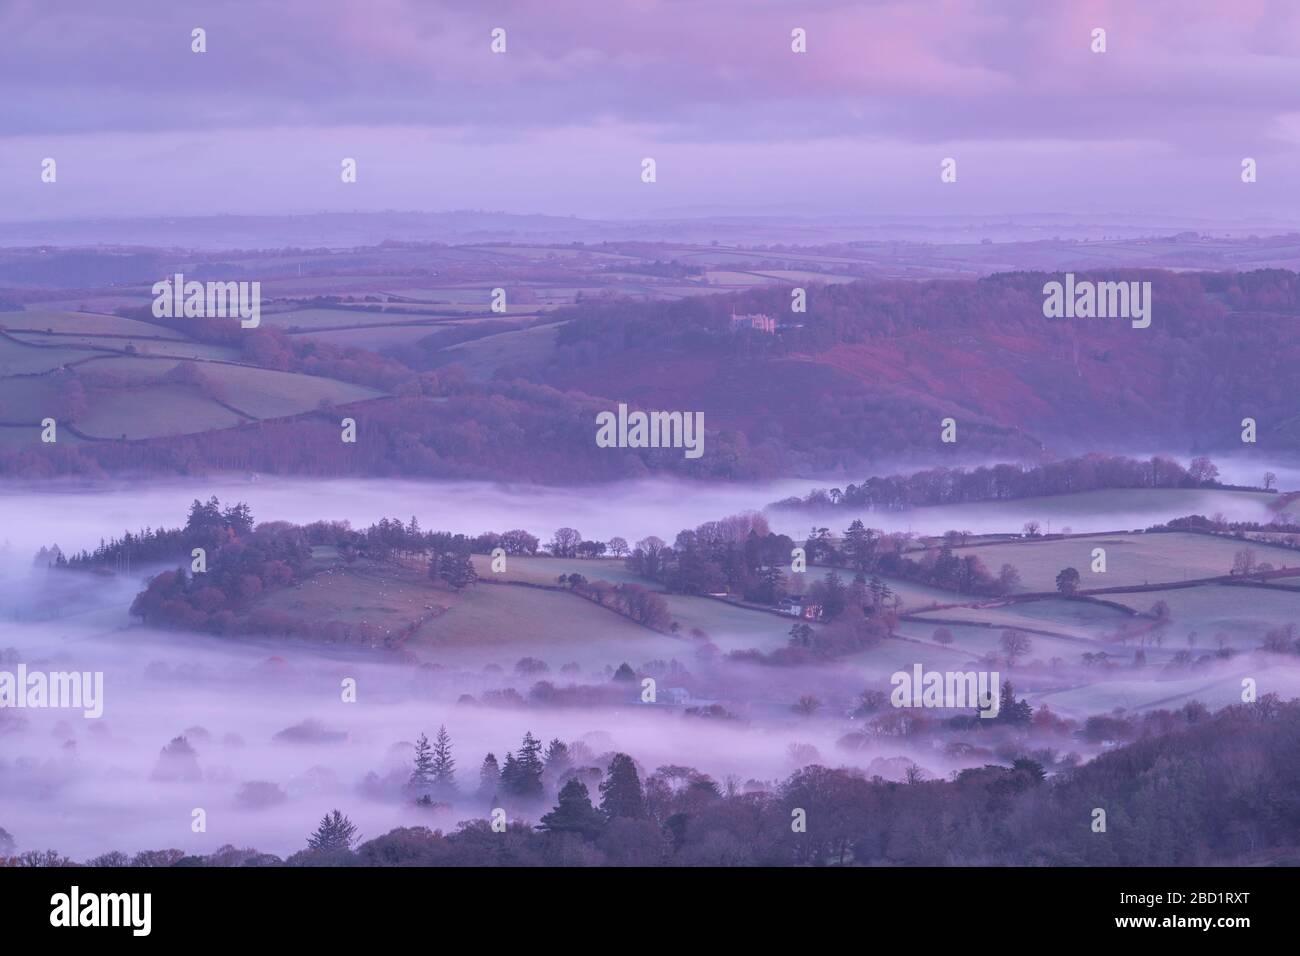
point(1158, 811)
point(433, 777)
point(208, 526)
point(1283, 531)
point(569, 543)
point(942, 486)
point(871, 551)
point(242, 560)
point(736, 555)
point(390, 538)
point(270, 556)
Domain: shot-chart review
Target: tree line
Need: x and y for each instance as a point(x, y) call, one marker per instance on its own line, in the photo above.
point(1004, 482)
point(1157, 811)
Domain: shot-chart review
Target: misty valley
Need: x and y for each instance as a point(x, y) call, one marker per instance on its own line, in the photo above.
point(327, 672)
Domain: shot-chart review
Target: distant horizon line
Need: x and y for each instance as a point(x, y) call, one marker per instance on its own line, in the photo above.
point(697, 215)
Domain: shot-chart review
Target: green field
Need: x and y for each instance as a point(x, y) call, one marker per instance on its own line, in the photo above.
point(126, 397)
point(319, 319)
point(482, 357)
point(1079, 619)
point(973, 643)
point(506, 622)
point(19, 359)
point(544, 570)
point(377, 337)
point(153, 412)
point(1243, 614)
point(265, 393)
point(28, 399)
point(91, 323)
point(730, 626)
point(1130, 559)
point(1215, 690)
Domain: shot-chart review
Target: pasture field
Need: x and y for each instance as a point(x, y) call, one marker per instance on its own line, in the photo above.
point(29, 399)
point(130, 368)
point(794, 275)
point(86, 323)
point(478, 298)
point(151, 412)
point(543, 570)
point(1131, 559)
point(973, 643)
point(1083, 620)
point(502, 623)
point(482, 357)
point(101, 302)
point(19, 359)
point(170, 348)
point(265, 393)
point(736, 280)
point(321, 319)
point(731, 627)
point(486, 623)
point(376, 337)
point(15, 437)
point(1217, 687)
point(1243, 614)
point(387, 596)
point(878, 663)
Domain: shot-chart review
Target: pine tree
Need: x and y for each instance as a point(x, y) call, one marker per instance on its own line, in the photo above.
point(443, 767)
point(526, 779)
point(489, 778)
point(557, 758)
point(510, 775)
point(859, 546)
point(620, 791)
point(336, 833)
point(422, 773)
point(574, 813)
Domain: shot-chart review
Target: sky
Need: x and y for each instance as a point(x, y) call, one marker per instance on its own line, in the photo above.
point(736, 122)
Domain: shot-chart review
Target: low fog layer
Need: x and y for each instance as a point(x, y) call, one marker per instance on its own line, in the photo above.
point(78, 516)
point(85, 786)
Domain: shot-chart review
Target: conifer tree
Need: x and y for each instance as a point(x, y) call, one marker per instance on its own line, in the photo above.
point(574, 813)
point(335, 833)
point(489, 778)
point(422, 772)
point(620, 791)
point(443, 766)
point(527, 779)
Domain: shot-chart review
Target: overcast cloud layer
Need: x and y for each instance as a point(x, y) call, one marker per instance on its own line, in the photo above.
point(559, 124)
